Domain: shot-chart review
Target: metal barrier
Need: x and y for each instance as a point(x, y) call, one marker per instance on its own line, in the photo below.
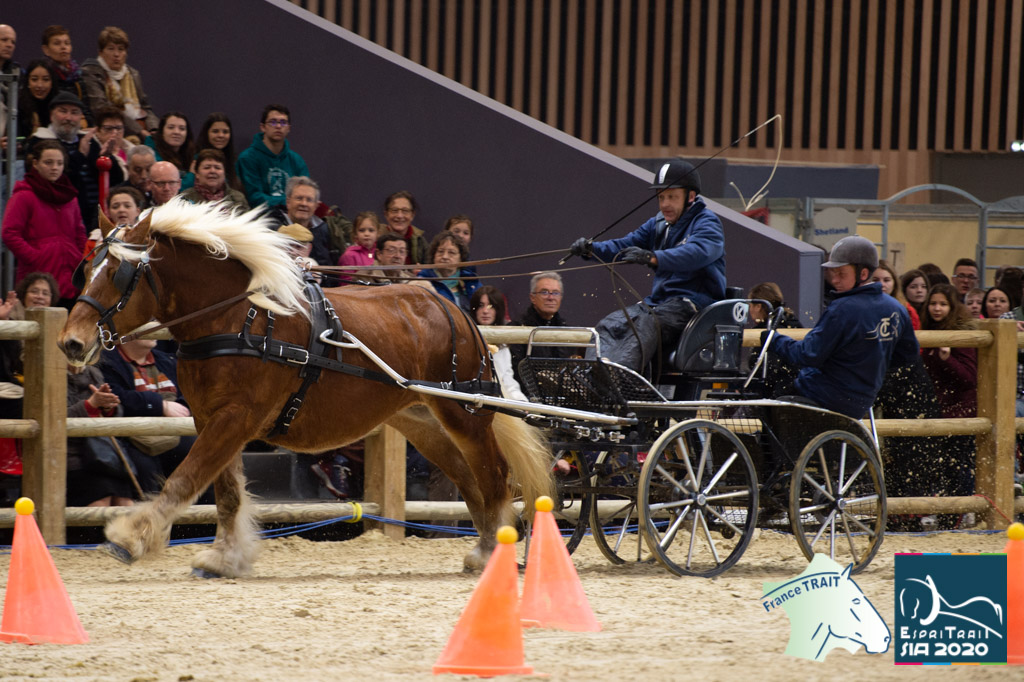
point(45, 430)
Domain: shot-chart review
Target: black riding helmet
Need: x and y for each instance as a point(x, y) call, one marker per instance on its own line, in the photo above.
point(677, 173)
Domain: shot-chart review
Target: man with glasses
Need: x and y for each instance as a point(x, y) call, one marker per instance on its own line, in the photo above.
point(392, 250)
point(546, 294)
point(83, 148)
point(266, 164)
point(965, 276)
point(685, 247)
point(165, 180)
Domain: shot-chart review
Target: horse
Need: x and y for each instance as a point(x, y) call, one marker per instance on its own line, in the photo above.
point(214, 273)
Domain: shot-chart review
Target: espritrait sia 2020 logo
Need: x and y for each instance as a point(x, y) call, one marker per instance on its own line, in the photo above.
point(950, 609)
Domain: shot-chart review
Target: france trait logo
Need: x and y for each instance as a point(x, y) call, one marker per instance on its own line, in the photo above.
point(826, 610)
point(950, 608)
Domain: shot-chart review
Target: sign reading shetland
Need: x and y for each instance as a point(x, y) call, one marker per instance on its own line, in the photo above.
point(826, 610)
point(950, 608)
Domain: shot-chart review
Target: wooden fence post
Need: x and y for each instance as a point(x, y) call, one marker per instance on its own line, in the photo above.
point(997, 393)
point(384, 478)
point(45, 456)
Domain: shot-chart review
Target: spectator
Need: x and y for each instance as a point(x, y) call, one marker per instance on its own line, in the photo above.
point(1011, 280)
point(8, 41)
point(146, 382)
point(973, 300)
point(844, 358)
point(82, 152)
point(954, 373)
point(546, 293)
point(124, 205)
point(399, 212)
point(57, 48)
point(887, 277)
point(300, 250)
point(914, 287)
point(302, 196)
point(140, 160)
point(110, 136)
point(109, 80)
point(165, 179)
point(35, 290)
point(965, 276)
point(488, 308)
point(217, 133)
point(211, 182)
point(779, 375)
point(43, 225)
point(266, 165)
point(934, 274)
point(997, 302)
point(448, 280)
point(462, 226)
point(172, 142)
point(363, 251)
point(37, 91)
point(685, 247)
point(391, 250)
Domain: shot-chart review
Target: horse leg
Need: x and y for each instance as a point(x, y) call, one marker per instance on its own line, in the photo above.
point(236, 545)
point(147, 527)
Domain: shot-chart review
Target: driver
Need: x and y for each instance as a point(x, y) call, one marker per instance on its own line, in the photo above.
point(844, 358)
point(685, 246)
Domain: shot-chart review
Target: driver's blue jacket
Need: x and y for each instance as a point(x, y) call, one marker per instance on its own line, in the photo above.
point(844, 358)
point(690, 252)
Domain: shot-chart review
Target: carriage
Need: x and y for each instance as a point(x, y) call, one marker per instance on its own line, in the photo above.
point(689, 467)
point(687, 481)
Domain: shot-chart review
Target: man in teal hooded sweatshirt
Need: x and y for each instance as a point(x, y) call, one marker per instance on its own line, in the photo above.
point(265, 166)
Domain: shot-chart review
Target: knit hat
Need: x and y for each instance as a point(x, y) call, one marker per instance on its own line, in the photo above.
point(66, 98)
point(296, 232)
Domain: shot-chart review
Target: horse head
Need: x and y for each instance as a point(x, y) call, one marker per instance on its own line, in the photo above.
point(109, 280)
point(850, 615)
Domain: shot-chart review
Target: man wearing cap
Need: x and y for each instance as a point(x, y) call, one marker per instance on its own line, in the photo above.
point(685, 246)
point(845, 357)
point(66, 113)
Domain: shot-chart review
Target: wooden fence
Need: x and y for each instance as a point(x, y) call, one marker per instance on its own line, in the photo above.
point(45, 430)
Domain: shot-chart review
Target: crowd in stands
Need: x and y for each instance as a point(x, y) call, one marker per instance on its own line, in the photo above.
point(71, 115)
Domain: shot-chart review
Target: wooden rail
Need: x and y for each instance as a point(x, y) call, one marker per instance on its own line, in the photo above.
point(45, 430)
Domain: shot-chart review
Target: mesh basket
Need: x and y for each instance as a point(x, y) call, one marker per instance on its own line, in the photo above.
point(583, 384)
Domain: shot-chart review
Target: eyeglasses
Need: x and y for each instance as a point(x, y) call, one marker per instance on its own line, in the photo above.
point(968, 278)
point(111, 129)
point(548, 294)
point(394, 252)
point(278, 123)
point(407, 211)
point(165, 183)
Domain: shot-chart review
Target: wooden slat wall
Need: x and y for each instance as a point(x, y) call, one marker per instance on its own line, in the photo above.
point(859, 81)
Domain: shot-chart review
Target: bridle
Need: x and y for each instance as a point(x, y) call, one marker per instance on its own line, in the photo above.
point(126, 279)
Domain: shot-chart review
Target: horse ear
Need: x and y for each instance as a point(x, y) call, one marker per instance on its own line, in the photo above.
point(845, 575)
point(143, 226)
point(105, 225)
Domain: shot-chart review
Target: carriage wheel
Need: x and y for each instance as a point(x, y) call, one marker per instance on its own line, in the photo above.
point(613, 517)
point(572, 501)
point(698, 498)
point(837, 499)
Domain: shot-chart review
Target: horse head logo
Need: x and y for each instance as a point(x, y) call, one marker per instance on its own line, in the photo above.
point(925, 604)
point(826, 610)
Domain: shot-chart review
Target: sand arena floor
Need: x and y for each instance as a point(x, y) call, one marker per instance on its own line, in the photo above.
point(376, 609)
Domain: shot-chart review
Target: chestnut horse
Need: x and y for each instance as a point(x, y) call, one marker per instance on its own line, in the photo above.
point(195, 256)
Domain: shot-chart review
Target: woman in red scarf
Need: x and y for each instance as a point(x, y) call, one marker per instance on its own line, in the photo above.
point(211, 182)
point(42, 225)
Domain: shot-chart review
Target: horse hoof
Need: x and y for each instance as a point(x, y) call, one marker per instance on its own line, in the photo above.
point(119, 553)
point(203, 573)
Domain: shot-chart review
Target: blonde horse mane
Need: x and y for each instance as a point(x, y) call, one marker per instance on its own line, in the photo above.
point(247, 237)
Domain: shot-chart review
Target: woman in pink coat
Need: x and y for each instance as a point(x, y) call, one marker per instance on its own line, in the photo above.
point(42, 225)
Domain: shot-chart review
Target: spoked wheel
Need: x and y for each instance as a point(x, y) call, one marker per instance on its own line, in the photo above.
point(614, 521)
point(837, 499)
point(698, 498)
point(572, 500)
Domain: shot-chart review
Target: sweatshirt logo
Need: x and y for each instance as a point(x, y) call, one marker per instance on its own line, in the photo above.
point(887, 329)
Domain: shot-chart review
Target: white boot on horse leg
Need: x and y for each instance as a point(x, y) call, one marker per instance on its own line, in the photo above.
point(140, 532)
point(236, 546)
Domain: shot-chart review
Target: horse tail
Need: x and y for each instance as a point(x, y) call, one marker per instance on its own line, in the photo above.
point(528, 455)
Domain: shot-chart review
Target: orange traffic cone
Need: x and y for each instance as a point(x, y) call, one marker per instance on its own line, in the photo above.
point(487, 640)
point(37, 609)
point(1015, 594)
point(552, 594)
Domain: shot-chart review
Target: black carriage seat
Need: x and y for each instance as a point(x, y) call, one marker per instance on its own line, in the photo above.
point(712, 340)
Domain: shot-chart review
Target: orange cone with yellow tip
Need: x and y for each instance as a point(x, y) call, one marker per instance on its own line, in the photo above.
point(1015, 594)
point(487, 640)
point(553, 596)
point(37, 609)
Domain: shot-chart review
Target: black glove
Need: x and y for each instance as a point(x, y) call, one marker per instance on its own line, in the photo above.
point(764, 337)
point(582, 247)
point(634, 254)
